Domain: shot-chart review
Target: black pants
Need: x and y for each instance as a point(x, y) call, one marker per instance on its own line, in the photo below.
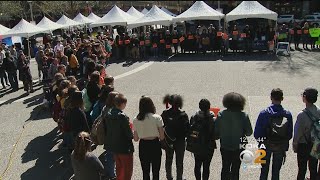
point(4, 78)
point(179, 149)
point(13, 79)
point(205, 163)
point(230, 164)
point(305, 159)
point(150, 155)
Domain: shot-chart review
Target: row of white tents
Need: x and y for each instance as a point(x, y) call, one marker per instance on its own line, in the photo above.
point(133, 18)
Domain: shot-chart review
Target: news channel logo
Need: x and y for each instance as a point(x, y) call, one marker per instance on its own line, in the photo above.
point(252, 159)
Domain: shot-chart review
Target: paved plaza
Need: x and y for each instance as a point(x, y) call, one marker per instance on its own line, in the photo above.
point(37, 156)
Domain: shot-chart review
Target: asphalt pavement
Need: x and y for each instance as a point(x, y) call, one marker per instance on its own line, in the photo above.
point(28, 131)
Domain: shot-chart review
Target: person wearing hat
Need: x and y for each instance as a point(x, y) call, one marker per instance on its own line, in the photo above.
point(302, 142)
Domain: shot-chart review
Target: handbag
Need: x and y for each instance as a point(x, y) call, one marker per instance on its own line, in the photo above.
point(168, 141)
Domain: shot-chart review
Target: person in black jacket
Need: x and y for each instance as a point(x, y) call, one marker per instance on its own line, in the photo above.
point(176, 122)
point(206, 119)
point(11, 69)
point(134, 45)
point(25, 73)
point(248, 39)
point(93, 90)
point(119, 138)
point(75, 117)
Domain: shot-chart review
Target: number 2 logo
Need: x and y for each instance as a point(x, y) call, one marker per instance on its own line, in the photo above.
point(261, 154)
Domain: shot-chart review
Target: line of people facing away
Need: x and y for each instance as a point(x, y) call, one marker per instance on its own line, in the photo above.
point(174, 132)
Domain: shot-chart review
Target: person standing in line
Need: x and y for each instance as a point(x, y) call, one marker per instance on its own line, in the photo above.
point(75, 116)
point(305, 36)
point(11, 69)
point(274, 129)
point(53, 69)
point(297, 35)
point(3, 75)
point(248, 39)
point(231, 140)
point(39, 59)
point(176, 121)
point(119, 138)
point(108, 154)
point(148, 128)
point(25, 73)
point(204, 121)
point(302, 142)
point(73, 63)
point(86, 165)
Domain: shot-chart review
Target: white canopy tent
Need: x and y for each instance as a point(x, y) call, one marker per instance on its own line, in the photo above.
point(154, 17)
point(199, 11)
point(251, 9)
point(67, 22)
point(49, 25)
point(144, 11)
point(115, 16)
point(23, 29)
point(82, 19)
point(135, 13)
point(168, 12)
point(93, 17)
point(3, 29)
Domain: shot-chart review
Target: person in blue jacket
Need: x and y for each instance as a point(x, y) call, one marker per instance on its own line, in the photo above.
point(273, 131)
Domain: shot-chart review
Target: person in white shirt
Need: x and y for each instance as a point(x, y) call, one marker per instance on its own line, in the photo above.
point(148, 127)
point(58, 47)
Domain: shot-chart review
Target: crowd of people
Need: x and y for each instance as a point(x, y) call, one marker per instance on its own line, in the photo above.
point(80, 108)
point(75, 49)
point(83, 98)
point(299, 34)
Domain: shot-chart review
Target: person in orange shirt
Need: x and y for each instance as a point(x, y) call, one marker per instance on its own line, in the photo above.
point(73, 62)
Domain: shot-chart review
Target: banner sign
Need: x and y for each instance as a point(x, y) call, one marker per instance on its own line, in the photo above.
point(314, 32)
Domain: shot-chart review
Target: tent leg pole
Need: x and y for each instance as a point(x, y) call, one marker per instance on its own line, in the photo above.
point(29, 48)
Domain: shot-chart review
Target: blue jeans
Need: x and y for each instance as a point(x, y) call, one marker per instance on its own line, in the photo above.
point(109, 164)
point(277, 160)
point(68, 139)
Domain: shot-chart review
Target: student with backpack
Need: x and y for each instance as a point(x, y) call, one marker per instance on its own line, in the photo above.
point(274, 129)
point(231, 136)
point(148, 130)
point(176, 122)
point(201, 141)
point(304, 135)
point(119, 138)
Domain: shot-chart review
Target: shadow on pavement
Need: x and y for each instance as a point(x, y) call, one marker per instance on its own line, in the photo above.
point(13, 99)
point(50, 164)
point(294, 64)
point(191, 57)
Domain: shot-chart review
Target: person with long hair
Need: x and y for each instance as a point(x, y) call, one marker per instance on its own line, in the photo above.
point(203, 120)
point(176, 123)
point(76, 116)
point(86, 165)
point(231, 137)
point(25, 73)
point(148, 128)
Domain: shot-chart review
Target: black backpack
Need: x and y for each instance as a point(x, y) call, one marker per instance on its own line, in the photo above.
point(277, 134)
point(197, 139)
point(169, 131)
